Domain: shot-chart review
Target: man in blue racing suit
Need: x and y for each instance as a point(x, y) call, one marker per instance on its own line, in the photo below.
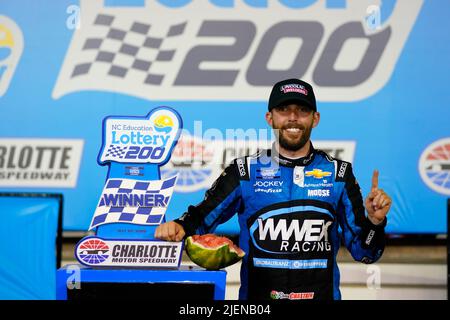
point(291, 202)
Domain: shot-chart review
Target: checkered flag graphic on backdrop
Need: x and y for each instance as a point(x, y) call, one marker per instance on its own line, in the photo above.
point(116, 151)
point(127, 50)
point(108, 213)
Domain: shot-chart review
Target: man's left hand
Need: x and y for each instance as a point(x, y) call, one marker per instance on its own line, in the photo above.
point(377, 202)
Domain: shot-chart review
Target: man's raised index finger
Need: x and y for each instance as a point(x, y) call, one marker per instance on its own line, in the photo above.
point(375, 179)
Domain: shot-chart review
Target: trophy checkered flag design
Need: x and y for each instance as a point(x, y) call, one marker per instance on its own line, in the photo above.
point(116, 151)
point(133, 201)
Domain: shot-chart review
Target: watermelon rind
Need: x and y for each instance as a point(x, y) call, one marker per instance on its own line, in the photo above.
point(212, 258)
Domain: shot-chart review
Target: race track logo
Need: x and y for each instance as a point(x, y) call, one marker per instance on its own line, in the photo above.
point(40, 162)
point(11, 47)
point(192, 161)
point(92, 251)
point(434, 166)
point(98, 252)
point(198, 162)
point(235, 50)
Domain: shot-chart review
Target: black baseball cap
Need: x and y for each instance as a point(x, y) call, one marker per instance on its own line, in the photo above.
point(292, 90)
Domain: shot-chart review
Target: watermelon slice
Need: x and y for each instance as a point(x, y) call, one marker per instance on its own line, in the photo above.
point(212, 252)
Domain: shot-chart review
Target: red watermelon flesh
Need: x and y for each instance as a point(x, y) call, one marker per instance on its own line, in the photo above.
point(212, 252)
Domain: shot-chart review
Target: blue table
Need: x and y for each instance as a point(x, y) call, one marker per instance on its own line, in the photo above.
point(72, 273)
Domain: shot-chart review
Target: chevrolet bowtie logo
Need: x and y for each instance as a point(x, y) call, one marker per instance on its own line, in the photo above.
point(318, 173)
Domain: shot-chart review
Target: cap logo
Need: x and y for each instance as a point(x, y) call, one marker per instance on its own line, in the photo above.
point(294, 87)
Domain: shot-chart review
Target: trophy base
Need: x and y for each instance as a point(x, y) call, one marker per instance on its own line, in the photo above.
point(96, 252)
point(76, 282)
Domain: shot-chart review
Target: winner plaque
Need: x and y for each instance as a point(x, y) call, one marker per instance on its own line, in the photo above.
point(134, 199)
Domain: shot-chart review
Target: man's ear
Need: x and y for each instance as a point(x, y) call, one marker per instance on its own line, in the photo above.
point(269, 118)
point(316, 119)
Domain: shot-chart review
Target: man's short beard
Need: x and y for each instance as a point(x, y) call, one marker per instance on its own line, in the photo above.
point(295, 145)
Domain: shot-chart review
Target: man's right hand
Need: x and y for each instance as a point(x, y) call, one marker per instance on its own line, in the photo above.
point(170, 231)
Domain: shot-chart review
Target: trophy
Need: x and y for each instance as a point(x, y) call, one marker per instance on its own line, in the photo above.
point(134, 198)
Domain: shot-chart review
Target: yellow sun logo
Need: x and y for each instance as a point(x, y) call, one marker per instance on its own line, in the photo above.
point(163, 123)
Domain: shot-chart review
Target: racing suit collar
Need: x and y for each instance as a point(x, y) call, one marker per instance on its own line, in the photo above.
point(287, 162)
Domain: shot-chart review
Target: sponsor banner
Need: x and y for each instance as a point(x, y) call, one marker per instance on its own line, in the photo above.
point(319, 193)
point(198, 162)
point(287, 231)
point(11, 47)
point(291, 296)
point(134, 171)
point(434, 166)
point(140, 140)
point(341, 172)
point(317, 173)
point(268, 186)
point(268, 173)
point(133, 201)
point(235, 50)
point(98, 252)
point(40, 162)
point(215, 61)
point(290, 264)
point(315, 178)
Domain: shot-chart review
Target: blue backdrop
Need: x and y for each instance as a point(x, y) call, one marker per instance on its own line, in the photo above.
point(65, 65)
point(28, 266)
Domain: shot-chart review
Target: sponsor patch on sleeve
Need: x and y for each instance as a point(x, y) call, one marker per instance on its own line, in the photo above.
point(341, 171)
point(241, 164)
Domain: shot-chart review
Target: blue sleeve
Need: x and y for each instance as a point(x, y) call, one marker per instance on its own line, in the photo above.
point(364, 240)
point(221, 202)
